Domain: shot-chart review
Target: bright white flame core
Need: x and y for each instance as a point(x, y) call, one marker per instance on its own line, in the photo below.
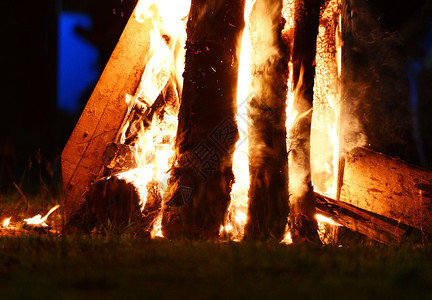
point(324, 219)
point(6, 222)
point(237, 211)
point(38, 220)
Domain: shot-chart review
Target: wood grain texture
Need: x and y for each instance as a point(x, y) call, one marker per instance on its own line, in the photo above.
point(104, 112)
point(389, 187)
point(360, 221)
point(199, 192)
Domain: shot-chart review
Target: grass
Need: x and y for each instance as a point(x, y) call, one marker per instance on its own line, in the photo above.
point(112, 266)
point(123, 266)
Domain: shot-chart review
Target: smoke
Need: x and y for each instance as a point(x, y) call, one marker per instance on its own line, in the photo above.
point(381, 81)
point(299, 145)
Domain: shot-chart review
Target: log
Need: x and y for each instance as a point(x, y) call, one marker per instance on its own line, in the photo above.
point(109, 203)
point(328, 95)
point(302, 223)
point(199, 191)
point(360, 221)
point(104, 112)
point(268, 164)
point(113, 204)
point(389, 187)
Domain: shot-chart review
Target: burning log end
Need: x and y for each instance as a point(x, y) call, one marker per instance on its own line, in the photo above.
point(110, 202)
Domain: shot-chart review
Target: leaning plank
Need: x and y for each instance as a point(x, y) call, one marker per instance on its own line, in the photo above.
point(389, 187)
point(359, 221)
point(104, 112)
point(199, 192)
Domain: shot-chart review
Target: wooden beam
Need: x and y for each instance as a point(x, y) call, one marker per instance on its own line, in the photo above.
point(389, 187)
point(303, 225)
point(104, 112)
point(268, 164)
point(359, 221)
point(199, 193)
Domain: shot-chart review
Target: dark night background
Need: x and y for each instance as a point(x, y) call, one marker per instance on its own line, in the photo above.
point(39, 79)
point(38, 110)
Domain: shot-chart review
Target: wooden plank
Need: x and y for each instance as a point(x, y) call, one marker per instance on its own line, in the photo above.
point(104, 112)
point(389, 187)
point(303, 225)
point(327, 104)
point(359, 221)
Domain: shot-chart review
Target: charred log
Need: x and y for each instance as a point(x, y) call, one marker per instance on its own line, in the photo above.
point(108, 202)
point(268, 165)
point(113, 204)
point(302, 210)
point(201, 181)
point(117, 158)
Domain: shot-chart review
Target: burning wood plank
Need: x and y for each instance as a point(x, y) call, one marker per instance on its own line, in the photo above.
point(360, 221)
point(104, 112)
point(302, 210)
point(389, 187)
point(201, 179)
point(268, 165)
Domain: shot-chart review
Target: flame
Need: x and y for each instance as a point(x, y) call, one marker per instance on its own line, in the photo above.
point(237, 210)
point(327, 229)
point(38, 220)
point(157, 228)
point(6, 222)
point(324, 219)
point(287, 239)
point(154, 148)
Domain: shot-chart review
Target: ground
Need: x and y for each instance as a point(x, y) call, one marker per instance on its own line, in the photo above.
point(112, 265)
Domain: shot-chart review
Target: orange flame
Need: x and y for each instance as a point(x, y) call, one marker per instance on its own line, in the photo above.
point(154, 148)
point(237, 210)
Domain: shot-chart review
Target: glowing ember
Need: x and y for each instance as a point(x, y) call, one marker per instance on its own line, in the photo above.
point(287, 239)
point(38, 220)
point(157, 228)
point(327, 229)
point(6, 222)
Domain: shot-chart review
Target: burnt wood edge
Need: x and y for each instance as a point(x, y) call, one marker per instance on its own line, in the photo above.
point(376, 227)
